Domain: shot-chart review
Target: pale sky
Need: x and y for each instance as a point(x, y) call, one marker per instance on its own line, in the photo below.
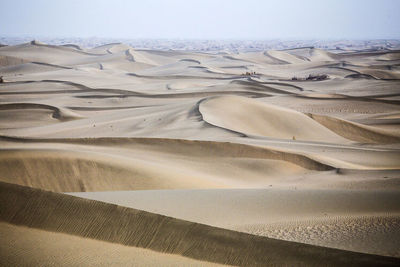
point(202, 19)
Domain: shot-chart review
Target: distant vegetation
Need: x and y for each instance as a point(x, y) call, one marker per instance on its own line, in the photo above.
point(311, 77)
point(250, 73)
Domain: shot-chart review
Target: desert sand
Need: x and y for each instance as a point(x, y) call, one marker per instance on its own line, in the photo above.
point(125, 156)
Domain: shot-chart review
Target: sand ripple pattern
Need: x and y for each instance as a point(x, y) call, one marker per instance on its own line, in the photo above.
point(179, 138)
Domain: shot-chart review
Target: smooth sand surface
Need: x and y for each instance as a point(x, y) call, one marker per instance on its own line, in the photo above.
point(235, 148)
point(68, 250)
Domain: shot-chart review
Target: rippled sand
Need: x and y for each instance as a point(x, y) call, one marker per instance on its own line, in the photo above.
point(274, 157)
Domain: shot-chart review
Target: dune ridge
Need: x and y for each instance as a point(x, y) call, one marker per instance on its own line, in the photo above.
point(171, 235)
point(356, 131)
point(193, 147)
point(70, 250)
point(266, 120)
point(63, 115)
point(93, 164)
point(302, 145)
point(366, 219)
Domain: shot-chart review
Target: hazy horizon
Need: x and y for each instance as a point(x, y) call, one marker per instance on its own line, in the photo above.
point(177, 19)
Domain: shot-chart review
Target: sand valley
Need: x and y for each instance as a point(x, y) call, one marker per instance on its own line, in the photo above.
point(115, 155)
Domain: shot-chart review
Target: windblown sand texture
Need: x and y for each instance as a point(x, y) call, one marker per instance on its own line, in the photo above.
point(121, 156)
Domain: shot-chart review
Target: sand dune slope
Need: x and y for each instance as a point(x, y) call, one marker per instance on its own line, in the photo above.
point(27, 206)
point(145, 163)
point(237, 147)
point(285, 57)
point(70, 250)
point(233, 113)
point(38, 52)
point(357, 220)
point(356, 131)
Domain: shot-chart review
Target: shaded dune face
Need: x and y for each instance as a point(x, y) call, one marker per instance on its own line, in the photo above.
point(362, 218)
point(67, 214)
point(98, 165)
point(358, 132)
point(251, 117)
point(70, 250)
point(284, 157)
point(31, 115)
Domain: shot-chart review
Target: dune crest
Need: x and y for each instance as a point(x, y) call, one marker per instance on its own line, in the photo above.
point(357, 132)
point(137, 228)
point(233, 113)
point(216, 153)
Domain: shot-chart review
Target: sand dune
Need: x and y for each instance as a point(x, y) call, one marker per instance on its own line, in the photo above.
point(160, 233)
point(286, 58)
point(358, 132)
point(236, 148)
point(233, 113)
point(312, 54)
point(10, 61)
point(317, 217)
point(35, 51)
point(100, 164)
point(69, 250)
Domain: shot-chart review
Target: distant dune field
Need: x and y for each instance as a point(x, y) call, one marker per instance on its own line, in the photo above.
point(124, 156)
